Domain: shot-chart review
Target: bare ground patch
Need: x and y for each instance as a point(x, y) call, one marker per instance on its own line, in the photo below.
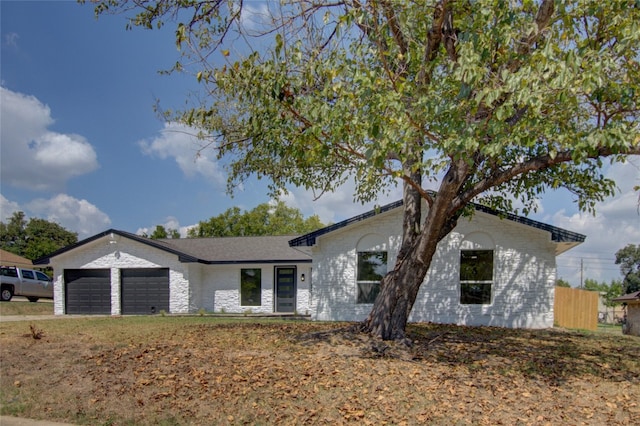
point(202, 371)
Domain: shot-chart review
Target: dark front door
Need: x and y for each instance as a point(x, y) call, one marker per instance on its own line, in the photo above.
point(286, 289)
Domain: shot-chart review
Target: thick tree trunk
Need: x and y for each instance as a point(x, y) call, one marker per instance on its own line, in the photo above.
point(398, 292)
point(399, 288)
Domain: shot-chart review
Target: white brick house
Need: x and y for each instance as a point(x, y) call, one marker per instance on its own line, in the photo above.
point(497, 270)
point(514, 289)
point(116, 273)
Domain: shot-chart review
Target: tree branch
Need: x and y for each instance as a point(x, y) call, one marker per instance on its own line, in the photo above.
point(434, 37)
point(534, 164)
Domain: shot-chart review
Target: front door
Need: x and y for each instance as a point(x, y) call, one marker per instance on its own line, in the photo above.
point(285, 289)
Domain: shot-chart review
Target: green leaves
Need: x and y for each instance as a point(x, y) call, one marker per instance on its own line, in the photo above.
point(264, 219)
point(322, 94)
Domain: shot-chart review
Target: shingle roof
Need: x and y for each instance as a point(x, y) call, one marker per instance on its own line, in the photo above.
point(269, 249)
point(558, 235)
point(11, 259)
point(227, 250)
point(628, 297)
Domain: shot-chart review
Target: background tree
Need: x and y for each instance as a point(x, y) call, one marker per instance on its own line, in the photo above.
point(607, 292)
point(265, 219)
point(629, 260)
point(594, 285)
point(562, 283)
point(486, 101)
point(613, 290)
point(161, 232)
point(33, 238)
point(12, 234)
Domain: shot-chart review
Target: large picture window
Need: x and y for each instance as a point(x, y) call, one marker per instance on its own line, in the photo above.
point(372, 266)
point(250, 287)
point(476, 277)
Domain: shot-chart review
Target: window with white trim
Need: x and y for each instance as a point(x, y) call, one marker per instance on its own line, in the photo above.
point(476, 277)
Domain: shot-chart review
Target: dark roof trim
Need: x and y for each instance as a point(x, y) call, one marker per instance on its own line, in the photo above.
point(243, 262)
point(309, 239)
point(183, 257)
point(558, 235)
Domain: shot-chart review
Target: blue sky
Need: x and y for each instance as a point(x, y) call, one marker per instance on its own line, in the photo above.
point(82, 146)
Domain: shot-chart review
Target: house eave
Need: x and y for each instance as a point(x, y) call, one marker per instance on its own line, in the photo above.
point(564, 239)
point(256, 261)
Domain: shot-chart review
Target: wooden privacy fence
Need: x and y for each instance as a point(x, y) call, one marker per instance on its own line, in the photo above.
point(575, 308)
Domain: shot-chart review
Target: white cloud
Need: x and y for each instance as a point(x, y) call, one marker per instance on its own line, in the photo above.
point(11, 39)
point(616, 224)
point(336, 206)
point(255, 17)
point(32, 156)
point(180, 143)
point(7, 208)
point(75, 215)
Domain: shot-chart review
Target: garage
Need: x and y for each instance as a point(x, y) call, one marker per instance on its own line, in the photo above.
point(87, 291)
point(144, 291)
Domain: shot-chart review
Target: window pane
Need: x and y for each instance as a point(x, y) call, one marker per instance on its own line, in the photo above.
point(10, 272)
point(42, 277)
point(250, 287)
point(475, 294)
point(367, 292)
point(476, 277)
point(476, 265)
point(372, 266)
point(27, 274)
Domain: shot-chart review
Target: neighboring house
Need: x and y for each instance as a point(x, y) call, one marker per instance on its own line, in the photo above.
point(631, 302)
point(116, 273)
point(10, 259)
point(494, 269)
point(608, 314)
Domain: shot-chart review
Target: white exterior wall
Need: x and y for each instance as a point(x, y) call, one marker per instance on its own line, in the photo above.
point(522, 290)
point(220, 288)
point(124, 253)
point(192, 286)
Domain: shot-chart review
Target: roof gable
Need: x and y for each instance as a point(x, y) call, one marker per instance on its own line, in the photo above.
point(566, 239)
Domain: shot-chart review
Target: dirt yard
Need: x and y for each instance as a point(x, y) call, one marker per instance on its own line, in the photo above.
point(202, 370)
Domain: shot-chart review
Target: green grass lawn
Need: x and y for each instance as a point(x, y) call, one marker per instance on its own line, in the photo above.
point(22, 307)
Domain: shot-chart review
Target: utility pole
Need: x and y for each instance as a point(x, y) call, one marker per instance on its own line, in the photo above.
point(581, 271)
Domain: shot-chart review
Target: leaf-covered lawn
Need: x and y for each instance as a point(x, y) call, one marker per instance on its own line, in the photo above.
point(200, 370)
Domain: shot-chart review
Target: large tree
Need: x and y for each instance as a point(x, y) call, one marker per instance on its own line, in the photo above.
point(264, 219)
point(490, 101)
point(629, 260)
point(35, 237)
